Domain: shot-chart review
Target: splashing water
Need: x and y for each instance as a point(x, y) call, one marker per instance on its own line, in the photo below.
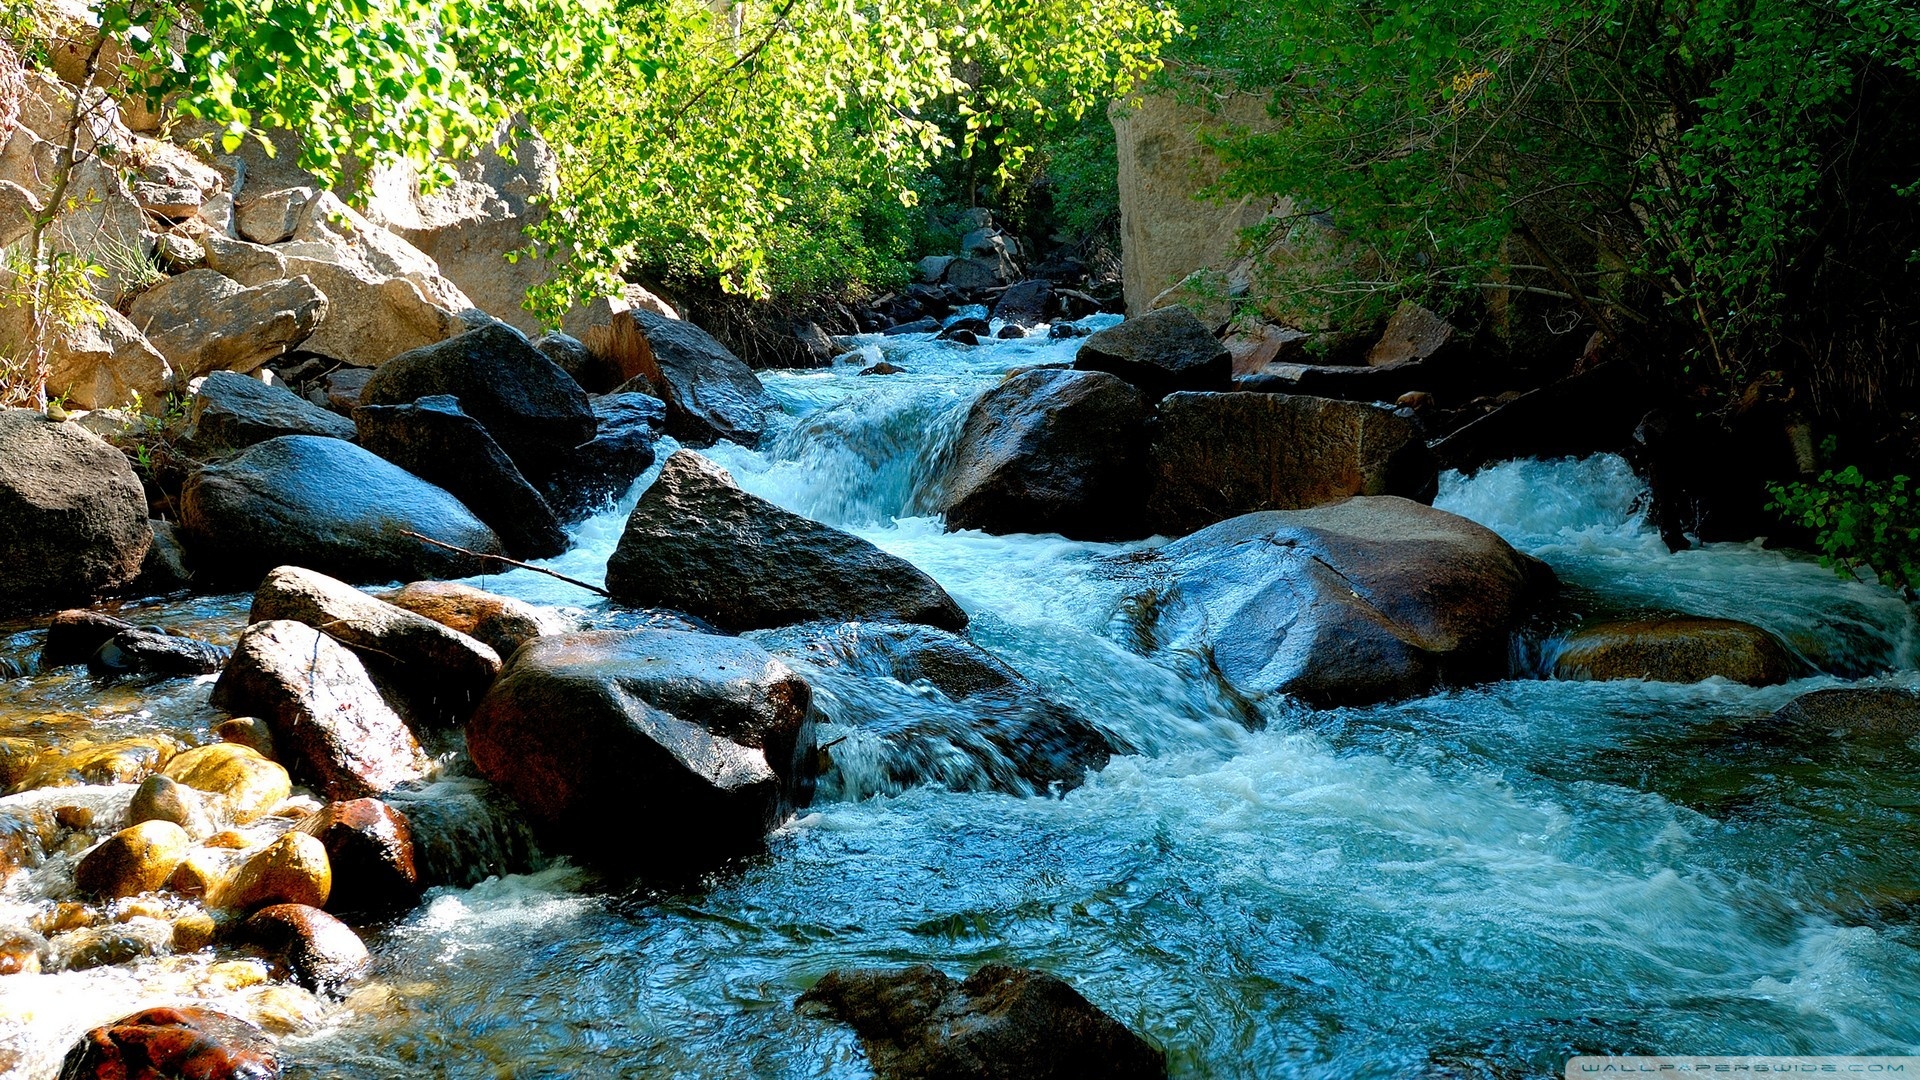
point(1480, 882)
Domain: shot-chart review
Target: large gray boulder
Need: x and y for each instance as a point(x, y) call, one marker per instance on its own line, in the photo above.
point(697, 543)
point(593, 732)
point(434, 439)
point(329, 505)
point(1051, 451)
point(1219, 455)
point(232, 411)
point(1365, 600)
point(533, 409)
point(1160, 352)
point(73, 517)
point(711, 394)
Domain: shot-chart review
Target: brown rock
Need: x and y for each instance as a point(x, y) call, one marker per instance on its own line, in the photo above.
point(1679, 649)
point(1864, 712)
point(1412, 333)
point(1216, 456)
point(291, 870)
point(327, 715)
point(323, 953)
point(161, 798)
point(73, 636)
point(370, 850)
point(204, 321)
point(132, 861)
point(159, 1044)
point(501, 622)
point(245, 784)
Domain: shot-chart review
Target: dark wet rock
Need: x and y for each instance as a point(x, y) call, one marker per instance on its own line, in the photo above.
point(597, 472)
point(500, 622)
point(882, 368)
point(436, 441)
point(1680, 650)
point(1026, 304)
point(1863, 712)
point(73, 517)
point(464, 831)
point(137, 859)
point(329, 505)
point(151, 652)
point(595, 374)
point(531, 407)
point(167, 567)
point(441, 671)
point(173, 1044)
point(913, 326)
point(1160, 352)
point(73, 636)
point(699, 544)
point(1014, 737)
point(370, 849)
point(1011, 333)
point(970, 325)
point(161, 798)
point(592, 732)
point(1216, 456)
point(1051, 451)
point(711, 394)
point(232, 411)
point(1001, 1022)
point(323, 953)
point(327, 715)
point(344, 387)
point(1365, 600)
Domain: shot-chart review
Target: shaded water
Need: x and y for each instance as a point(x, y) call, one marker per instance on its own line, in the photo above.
point(1475, 883)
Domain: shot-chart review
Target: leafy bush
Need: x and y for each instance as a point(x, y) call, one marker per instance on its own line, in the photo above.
point(1858, 523)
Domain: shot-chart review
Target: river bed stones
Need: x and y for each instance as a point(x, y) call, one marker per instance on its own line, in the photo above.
point(73, 517)
point(141, 651)
point(73, 636)
point(167, 1043)
point(83, 761)
point(323, 954)
point(291, 870)
point(326, 712)
point(1001, 1021)
point(442, 671)
point(160, 798)
point(591, 732)
point(370, 853)
point(329, 505)
point(1364, 600)
point(697, 543)
point(1682, 649)
point(242, 782)
point(1051, 451)
point(134, 860)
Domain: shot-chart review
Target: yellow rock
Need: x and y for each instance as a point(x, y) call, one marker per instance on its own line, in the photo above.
point(248, 731)
point(133, 861)
point(193, 931)
point(284, 1010)
point(229, 975)
point(16, 758)
point(227, 838)
point(291, 870)
point(200, 874)
point(141, 909)
point(121, 761)
point(68, 916)
point(247, 784)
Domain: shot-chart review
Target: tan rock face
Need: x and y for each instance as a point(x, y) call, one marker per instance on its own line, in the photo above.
point(203, 321)
point(609, 331)
point(93, 365)
point(1166, 233)
point(1413, 333)
point(247, 785)
point(291, 870)
point(132, 861)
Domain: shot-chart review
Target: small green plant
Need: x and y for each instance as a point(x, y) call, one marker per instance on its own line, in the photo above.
point(1857, 522)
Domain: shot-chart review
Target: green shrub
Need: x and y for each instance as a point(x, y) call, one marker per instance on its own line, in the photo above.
point(1857, 522)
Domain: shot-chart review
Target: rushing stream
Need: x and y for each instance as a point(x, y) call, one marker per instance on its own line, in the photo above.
point(1477, 883)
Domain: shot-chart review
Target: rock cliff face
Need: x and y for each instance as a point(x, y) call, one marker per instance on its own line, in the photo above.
point(1166, 232)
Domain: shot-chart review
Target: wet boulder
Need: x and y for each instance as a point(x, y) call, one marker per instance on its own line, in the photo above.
point(240, 781)
point(1001, 1021)
point(1216, 456)
point(531, 407)
point(291, 870)
point(500, 622)
point(1365, 600)
point(921, 706)
point(231, 412)
point(370, 850)
point(441, 671)
point(322, 953)
point(697, 543)
point(173, 1044)
point(1681, 650)
point(1860, 712)
point(161, 798)
point(594, 731)
point(329, 505)
point(596, 473)
point(114, 761)
point(137, 859)
point(141, 651)
point(1051, 451)
point(73, 517)
point(137, 938)
point(74, 635)
point(711, 394)
point(1026, 304)
point(327, 715)
point(1165, 350)
point(434, 440)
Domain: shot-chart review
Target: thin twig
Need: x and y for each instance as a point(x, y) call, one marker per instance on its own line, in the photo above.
point(510, 562)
